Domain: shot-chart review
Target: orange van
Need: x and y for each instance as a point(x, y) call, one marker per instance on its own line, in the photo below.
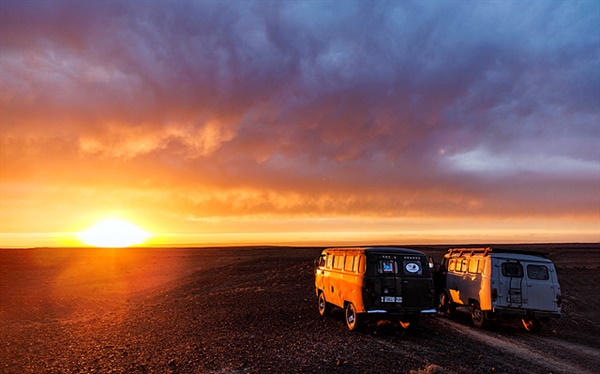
point(375, 282)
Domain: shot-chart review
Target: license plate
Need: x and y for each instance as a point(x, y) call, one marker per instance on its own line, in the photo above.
point(391, 299)
point(514, 300)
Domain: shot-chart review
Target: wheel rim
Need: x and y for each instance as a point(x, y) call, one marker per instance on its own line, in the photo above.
point(477, 314)
point(321, 303)
point(350, 315)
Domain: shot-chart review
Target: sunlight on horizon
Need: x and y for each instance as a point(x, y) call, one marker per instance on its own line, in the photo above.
point(114, 233)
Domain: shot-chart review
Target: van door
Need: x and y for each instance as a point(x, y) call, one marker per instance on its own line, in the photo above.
point(327, 274)
point(334, 279)
point(416, 285)
point(387, 285)
point(541, 289)
point(511, 284)
point(402, 281)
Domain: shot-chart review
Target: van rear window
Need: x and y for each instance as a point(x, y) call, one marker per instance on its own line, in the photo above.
point(388, 266)
point(512, 269)
point(412, 267)
point(539, 272)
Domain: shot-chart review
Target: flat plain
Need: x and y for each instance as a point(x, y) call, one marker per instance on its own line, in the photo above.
point(253, 310)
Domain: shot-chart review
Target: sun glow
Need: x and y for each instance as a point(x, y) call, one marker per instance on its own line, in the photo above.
point(114, 233)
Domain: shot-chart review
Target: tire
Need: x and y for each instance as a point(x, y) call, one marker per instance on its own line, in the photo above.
point(446, 305)
point(354, 320)
point(324, 306)
point(531, 324)
point(478, 316)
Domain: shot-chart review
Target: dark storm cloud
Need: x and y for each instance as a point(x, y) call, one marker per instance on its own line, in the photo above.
point(372, 97)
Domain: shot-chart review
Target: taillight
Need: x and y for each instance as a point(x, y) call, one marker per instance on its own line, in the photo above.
point(558, 300)
point(494, 294)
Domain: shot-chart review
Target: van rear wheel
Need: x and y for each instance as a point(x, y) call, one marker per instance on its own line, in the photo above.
point(353, 319)
point(478, 316)
point(532, 324)
point(410, 324)
point(324, 307)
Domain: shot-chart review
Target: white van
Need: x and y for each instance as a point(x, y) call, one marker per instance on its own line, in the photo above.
point(495, 283)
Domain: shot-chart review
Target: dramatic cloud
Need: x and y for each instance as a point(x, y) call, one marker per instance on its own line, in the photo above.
point(301, 110)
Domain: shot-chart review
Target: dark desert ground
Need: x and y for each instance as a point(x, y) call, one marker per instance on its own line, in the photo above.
point(253, 310)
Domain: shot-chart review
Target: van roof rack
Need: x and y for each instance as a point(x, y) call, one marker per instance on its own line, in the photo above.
point(468, 251)
point(457, 252)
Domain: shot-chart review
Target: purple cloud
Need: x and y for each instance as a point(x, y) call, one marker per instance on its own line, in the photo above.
point(384, 106)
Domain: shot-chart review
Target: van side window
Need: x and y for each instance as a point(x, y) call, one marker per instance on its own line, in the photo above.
point(459, 264)
point(388, 266)
point(329, 260)
point(338, 261)
point(360, 264)
point(349, 264)
point(512, 269)
point(474, 266)
point(539, 272)
point(452, 265)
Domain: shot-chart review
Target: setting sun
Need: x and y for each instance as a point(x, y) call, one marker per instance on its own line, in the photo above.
point(114, 233)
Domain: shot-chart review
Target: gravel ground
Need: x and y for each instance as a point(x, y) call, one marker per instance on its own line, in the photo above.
point(254, 311)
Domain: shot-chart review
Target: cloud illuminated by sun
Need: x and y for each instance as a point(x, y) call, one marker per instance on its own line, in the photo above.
point(114, 233)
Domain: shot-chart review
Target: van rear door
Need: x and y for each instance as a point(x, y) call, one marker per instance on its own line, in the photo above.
point(402, 281)
point(541, 286)
point(387, 285)
point(416, 285)
point(510, 280)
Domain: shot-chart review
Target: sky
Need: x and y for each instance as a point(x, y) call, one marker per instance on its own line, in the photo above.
point(301, 122)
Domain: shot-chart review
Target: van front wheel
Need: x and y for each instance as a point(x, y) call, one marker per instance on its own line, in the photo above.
point(324, 307)
point(353, 319)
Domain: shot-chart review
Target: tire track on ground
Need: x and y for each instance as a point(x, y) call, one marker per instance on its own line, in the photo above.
point(524, 352)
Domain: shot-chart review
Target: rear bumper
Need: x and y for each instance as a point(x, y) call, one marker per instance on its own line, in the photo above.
point(403, 311)
point(526, 313)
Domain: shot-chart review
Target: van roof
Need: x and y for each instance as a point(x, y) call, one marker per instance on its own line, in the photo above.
point(385, 250)
point(497, 252)
point(520, 256)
